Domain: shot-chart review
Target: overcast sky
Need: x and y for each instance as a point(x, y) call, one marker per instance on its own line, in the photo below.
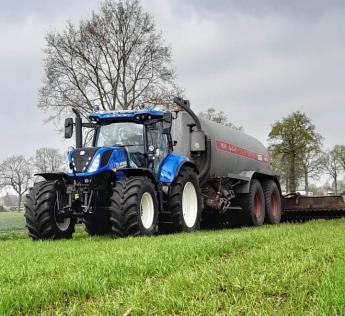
point(256, 60)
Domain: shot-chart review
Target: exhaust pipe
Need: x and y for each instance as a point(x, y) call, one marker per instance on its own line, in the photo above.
point(78, 129)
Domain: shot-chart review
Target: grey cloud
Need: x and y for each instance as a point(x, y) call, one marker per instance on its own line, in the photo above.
point(256, 60)
point(301, 9)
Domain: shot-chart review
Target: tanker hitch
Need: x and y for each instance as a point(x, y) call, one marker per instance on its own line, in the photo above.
point(219, 198)
point(80, 197)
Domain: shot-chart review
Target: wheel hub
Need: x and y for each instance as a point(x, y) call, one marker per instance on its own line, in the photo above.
point(189, 204)
point(147, 210)
point(274, 205)
point(257, 205)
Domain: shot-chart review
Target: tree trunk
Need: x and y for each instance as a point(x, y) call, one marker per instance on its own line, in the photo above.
point(335, 185)
point(292, 175)
point(287, 184)
point(19, 201)
point(306, 182)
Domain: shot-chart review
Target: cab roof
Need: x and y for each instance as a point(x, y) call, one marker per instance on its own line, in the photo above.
point(126, 116)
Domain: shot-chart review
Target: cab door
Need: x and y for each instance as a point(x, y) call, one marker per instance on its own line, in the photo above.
point(157, 144)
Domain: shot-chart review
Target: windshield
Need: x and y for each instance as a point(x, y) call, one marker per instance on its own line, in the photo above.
point(120, 134)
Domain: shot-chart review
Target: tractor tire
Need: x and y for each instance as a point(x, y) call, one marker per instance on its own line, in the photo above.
point(184, 206)
point(253, 207)
point(98, 222)
point(134, 208)
point(273, 203)
point(42, 219)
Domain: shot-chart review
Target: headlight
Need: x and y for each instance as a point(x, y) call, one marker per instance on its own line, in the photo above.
point(95, 163)
point(69, 158)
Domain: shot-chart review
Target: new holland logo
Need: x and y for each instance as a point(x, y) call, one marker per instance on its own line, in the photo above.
point(82, 153)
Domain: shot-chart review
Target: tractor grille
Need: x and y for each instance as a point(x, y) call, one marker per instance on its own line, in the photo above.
point(82, 157)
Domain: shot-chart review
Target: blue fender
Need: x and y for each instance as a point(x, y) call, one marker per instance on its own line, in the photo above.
point(171, 166)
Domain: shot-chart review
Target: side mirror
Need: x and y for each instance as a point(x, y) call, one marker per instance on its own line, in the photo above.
point(68, 127)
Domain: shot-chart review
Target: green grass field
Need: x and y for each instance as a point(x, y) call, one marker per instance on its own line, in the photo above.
point(274, 270)
point(12, 225)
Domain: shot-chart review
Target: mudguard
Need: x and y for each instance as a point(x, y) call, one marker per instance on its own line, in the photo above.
point(171, 166)
point(247, 176)
point(49, 176)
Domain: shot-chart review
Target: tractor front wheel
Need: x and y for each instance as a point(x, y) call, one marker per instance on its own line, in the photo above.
point(134, 207)
point(43, 219)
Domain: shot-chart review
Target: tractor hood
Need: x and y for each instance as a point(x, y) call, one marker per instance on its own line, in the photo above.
point(90, 161)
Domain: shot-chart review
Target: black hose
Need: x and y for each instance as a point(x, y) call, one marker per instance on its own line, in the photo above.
point(185, 105)
point(204, 172)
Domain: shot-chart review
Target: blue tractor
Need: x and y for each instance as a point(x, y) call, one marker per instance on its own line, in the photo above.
point(130, 182)
point(150, 171)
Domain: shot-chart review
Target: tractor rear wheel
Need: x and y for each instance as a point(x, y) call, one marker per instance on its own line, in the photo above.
point(273, 202)
point(98, 222)
point(134, 207)
point(41, 212)
point(183, 209)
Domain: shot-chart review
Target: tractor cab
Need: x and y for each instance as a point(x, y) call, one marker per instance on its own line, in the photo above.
point(126, 183)
point(126, 139)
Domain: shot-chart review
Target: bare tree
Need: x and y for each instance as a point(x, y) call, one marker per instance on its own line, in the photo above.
point(48, 160)
point(340, 154)
point(116, 59)
point(219, 117)
point(16, 173)
point(331, 166)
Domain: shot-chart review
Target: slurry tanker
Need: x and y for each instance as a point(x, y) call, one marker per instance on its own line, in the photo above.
point(153, 171)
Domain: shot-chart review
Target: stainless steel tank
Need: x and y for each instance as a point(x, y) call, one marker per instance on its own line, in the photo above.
point(234, 154)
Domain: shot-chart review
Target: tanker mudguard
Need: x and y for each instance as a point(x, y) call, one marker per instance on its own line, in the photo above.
point(171, 166)
point(247, 176)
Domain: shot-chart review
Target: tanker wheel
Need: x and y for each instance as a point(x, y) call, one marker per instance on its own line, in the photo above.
point(98, 222)
point(183, 209)
point(41, 212)
point(134, 207)
point(253, 207)
point(273, 202)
